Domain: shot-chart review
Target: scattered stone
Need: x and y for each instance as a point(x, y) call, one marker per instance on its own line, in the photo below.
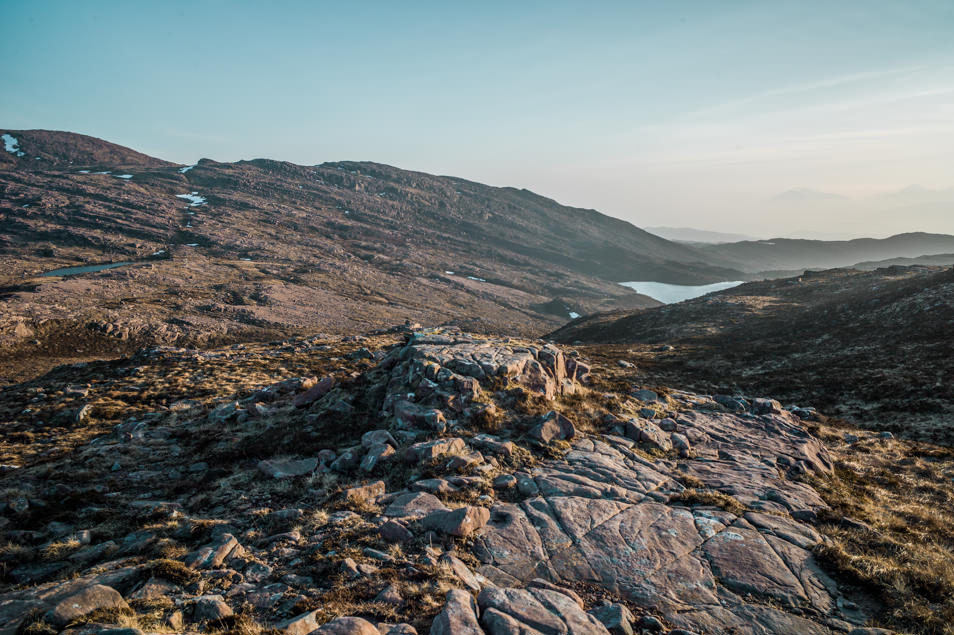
point(376, 454)
point(299, 625)
point(429, 450)
point(459, 522)
point(554, 427)
point(394, 532)
point(763, 406)
point(210, 608)
point(316, 392)
point(347, 626)
point(389, 595)
point(645, 395)
point(458, 617)
point(287, 468)
point(377, 555)
point(347, 461)
point(462, 571)
point(414, 504)
point(650, 623)
point(377, 437)
point(77, 605)
point(505, 481)
point(492, 445)
point(213, 555)
point(617, 619)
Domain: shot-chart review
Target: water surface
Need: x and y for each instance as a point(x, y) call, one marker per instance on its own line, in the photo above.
point(69, 271)
point(670, 293)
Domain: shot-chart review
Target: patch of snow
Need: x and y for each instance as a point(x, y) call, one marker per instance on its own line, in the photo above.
point(192, 244)
point(27, 205)
point(106, 172)
point(450, 273)
point(246, 259)
point(475, 278)
point(11, 144)
point(123, 176)
point(159, 253)
point(185, 169)
point(84, 171)
point(193, 198)
point(764, 242)
point(574, 315)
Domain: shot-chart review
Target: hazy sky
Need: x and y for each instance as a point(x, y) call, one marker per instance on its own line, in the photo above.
point(662, 113)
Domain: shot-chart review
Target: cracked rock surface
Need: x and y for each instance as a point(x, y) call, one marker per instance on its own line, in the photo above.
point(506, 495)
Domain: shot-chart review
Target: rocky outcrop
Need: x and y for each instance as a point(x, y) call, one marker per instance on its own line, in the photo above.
point(686, 515)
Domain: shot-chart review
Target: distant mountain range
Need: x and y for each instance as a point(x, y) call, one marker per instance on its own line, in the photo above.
point(690, 235)
point(787, 254)
point(842, 216)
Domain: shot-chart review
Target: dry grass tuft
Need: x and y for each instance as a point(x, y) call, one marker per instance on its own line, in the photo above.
point(171, 570)
point(693, 496)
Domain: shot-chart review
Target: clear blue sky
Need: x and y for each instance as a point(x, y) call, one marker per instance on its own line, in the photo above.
point(663, 113)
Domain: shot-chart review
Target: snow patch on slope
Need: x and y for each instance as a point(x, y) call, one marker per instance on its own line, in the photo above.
point(11, 144)
point(193, 198)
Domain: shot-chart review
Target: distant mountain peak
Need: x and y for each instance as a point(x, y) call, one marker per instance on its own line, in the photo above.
point(803, 194)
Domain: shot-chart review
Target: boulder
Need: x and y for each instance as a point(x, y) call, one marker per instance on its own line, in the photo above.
point(376, 454)
point(347, 460)
point(298, 625)
point(214, 554)
point(210, 608)
point(458, 617)
point(429, 450)
point(460, 522)
point(617, 619)
point(389, 595)
point(414, 504)
point(82, 603)
point(394, 532)
point(316, 392)
point(376, 437)
point(554, 427)
point(287, 468)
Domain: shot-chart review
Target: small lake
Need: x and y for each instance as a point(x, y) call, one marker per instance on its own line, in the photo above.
point(671, 293)
point(69, 271)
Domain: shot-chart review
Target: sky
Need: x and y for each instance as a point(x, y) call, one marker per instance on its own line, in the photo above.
point(685, 114)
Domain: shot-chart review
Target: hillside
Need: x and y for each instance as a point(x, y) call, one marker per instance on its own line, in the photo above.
point(872, 346)
point(260, 249)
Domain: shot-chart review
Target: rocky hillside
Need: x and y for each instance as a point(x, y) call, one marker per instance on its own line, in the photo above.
point(429, 480)
point(223, 252)
point(876, 346)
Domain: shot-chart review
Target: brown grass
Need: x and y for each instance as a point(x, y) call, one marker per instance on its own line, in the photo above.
point(905, 492)
point(693, 496)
